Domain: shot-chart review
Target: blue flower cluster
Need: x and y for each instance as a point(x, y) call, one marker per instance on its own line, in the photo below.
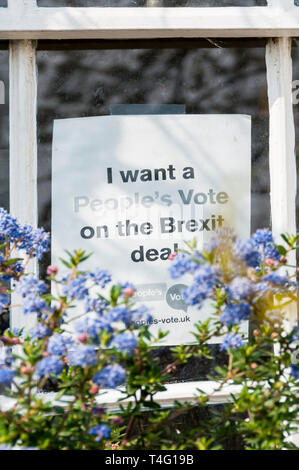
point(4, 301)
point(76, 288)
point(30, 285)
point(276, 279)
point(205, 279)
point(59, 344)
point(6, 376)
point(7, 357)
point(92, 326)
point(51, 365)
point(110, 376)
point(183, 264)
point(235, 313)
point(34, 304)
point(97, 305)
point(249, 252)
point(295, 371)
point(100, 277)
point(35, 242)
point(102, 431)
point(260, 245)
point(82, 356)
point(125, 342)
point(40, 331)
point(232, 341)
point(31, 288)
point(240, 288)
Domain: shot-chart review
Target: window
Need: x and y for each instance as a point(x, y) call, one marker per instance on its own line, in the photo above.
point(80, 79)
point(86, 79)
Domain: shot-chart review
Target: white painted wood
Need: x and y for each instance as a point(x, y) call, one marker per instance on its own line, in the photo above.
point(23, 150)
point(282, 158)
point(79, 23)
point(182, 392)
point(21, 4)
point(282, 4)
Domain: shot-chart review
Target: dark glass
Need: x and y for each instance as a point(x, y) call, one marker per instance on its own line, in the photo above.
point(3, 3)
point(150, 3)
point(4, 168)
point(295, 53)
point(205, 78)
point(4, 147)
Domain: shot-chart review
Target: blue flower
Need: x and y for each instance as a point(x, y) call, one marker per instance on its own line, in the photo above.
point(196, 294)
point(205, 279)
point(261, 288)
point(6, 376)
point(295, 334)
point(30, 285)
point(263, 237)
point(58, 344)
point(110, 376)
point(6, 356)
point(295, 371)
point(97, 305)
point(35, 242)
point(265, 243)
point(183, 264)
point(4, 301)
point(272, 252)
point(207, 275)
point(232, 341)
point(92, 326)
point(51, 365)
point(83, 356)
point(9, 226)
point(276, 279)
point(76, 288)
point(125, 342)
point(33, 304)
point(40, 331)
point(240, 288)
point(235, 313)
point(249, 252)
point(102, 431)
point(100, 277)
point(120, 314)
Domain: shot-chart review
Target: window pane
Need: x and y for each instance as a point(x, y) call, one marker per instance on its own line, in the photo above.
point(150, 3)
point(4, 168)
point(295, 53)
point(4, 155)
point(3, 3)
point(203, 78)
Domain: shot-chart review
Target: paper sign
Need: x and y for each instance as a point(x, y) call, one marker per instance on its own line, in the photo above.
point(131, 189)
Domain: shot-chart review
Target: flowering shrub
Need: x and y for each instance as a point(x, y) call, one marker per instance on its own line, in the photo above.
point(99, 346)
point(248, 280)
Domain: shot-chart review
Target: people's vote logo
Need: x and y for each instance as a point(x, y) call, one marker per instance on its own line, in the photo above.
point(175, 297)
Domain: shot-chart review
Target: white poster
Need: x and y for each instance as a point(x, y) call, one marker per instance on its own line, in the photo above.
point(131, 189)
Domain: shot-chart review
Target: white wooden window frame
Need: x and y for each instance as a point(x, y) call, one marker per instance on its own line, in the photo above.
point(22, 23)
